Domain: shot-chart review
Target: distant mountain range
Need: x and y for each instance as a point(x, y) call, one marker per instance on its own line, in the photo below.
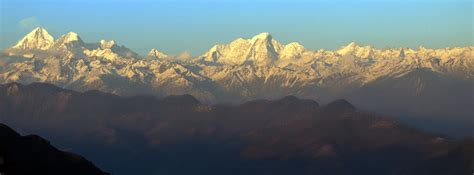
point(180, 135)
point(431, 88)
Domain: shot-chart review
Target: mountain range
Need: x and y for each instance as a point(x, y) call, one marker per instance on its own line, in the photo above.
point(431, 88)
point(180, 135)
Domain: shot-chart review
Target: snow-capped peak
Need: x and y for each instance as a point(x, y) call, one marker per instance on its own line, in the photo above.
point(293, 50)
point(69, 40)
point(39, 38)
point(356, 50)
point(107, 44)
point(351, 47)
point(154, 53)
point(261, 49)
point(262, 36)
point(111, 51)
point(294, 46)
point(71, 37)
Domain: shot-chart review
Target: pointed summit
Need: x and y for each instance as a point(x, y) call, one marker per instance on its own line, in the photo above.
point(352, 45)
point(154, 53)
point(69, 40)
point(39, 38)
point(348, 49)
point(356, 50)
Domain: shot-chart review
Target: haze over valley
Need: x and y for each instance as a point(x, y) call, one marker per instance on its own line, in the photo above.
point(180, 135)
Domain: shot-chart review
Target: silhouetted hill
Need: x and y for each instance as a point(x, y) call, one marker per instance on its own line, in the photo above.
point(31, 154)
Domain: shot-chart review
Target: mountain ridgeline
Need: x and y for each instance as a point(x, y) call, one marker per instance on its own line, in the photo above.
point(430, 88)
point(31, 154)
point(180, 135)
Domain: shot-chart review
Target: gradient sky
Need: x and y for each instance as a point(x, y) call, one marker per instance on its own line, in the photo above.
point(174, 26)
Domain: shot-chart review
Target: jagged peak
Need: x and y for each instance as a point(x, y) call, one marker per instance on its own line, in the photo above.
point(110, 50)
point(39, 30)
point(157, 54)
point(347, 49)
point(71, 36)
point(153, 50)
point(68, 39)
point(107, 44)
point(352, 47)
point(39, 38)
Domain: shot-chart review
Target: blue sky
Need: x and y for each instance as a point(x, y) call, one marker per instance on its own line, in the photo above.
point(174, 26)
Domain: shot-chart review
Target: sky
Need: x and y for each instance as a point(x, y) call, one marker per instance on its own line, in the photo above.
point(194, 26)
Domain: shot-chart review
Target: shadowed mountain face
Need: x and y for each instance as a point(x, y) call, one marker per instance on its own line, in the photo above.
point(180, 135)
point(32, 154)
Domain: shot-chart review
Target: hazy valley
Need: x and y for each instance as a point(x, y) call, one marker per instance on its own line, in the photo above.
point(180, 135)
